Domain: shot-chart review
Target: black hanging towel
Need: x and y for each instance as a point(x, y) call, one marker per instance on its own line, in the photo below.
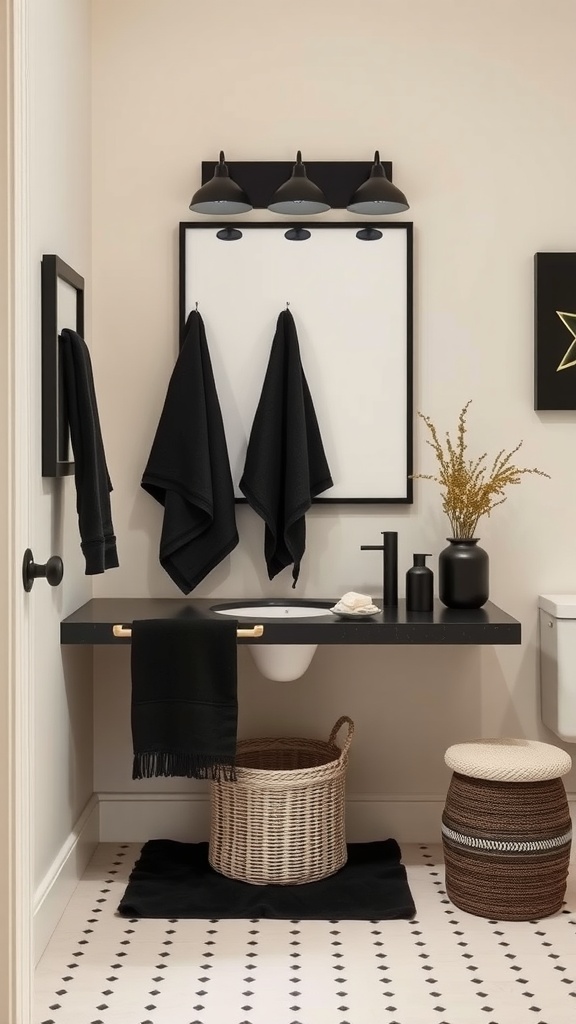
point(184, 698)
point(285, 462)
point(188, 470)
point(91, 477)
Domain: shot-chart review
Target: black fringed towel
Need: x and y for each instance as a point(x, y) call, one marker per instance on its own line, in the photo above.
point(184, 698)
point(188, 470)
point(91, 476)
point(285, 462)
point(175, 880)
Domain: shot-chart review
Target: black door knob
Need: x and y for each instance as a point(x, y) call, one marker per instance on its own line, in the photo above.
point(52, 571)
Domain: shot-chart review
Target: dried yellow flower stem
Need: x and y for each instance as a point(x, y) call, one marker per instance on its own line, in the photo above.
point(471, 490)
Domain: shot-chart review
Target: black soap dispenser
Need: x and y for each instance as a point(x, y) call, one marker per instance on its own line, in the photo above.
point(419, 586)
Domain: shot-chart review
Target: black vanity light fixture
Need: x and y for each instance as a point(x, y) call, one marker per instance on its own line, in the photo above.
point(221, 195)
point(360, 186)
point(377, 196)
point(298, 195)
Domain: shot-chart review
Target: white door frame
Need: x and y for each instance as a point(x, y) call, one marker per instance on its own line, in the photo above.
point(16, 338)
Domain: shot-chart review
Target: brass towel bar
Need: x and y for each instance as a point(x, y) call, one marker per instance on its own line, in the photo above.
point(125, 631)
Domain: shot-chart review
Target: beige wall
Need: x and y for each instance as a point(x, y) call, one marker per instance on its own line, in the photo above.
point(474, 105)
point(59, 222)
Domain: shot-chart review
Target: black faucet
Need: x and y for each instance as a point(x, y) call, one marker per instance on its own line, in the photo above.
point(390, 582)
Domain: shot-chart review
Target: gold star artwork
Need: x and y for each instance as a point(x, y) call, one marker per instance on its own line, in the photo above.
point(569, 359)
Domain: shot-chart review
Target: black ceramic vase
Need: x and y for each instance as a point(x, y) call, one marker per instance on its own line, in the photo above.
point(463, 573)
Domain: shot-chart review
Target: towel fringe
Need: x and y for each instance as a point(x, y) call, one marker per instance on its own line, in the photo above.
point(154, 764)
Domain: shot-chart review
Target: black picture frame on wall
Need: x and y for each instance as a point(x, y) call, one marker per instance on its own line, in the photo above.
point(555, 331)
point(55, 431)
point(358, 358)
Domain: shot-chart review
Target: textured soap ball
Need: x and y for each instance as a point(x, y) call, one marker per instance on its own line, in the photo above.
point(508, 760)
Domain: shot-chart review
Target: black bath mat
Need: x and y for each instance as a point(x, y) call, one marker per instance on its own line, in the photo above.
point(173, 879)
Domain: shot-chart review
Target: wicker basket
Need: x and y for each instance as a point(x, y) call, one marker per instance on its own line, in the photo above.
point(282, 821)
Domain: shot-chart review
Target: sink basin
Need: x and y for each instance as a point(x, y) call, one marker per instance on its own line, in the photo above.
point(273, 609)
point(280, 662)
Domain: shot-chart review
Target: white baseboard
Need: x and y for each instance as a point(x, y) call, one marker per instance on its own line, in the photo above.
point(134, 818)
point(63, 875)
point(408, 819)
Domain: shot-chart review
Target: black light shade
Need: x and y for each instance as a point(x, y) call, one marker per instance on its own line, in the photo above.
point(298, 195)
point(229, 234)
point(297, 234)
point(378, 196)
point(369, 234)
point(220, 195)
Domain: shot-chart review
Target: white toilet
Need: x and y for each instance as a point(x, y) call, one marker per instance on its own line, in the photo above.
point(558, 663)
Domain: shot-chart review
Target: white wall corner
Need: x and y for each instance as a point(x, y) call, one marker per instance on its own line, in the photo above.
point(59, 882)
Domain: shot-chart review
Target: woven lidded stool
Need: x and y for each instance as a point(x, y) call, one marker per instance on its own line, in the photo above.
point(506, 828)
point(282, 821)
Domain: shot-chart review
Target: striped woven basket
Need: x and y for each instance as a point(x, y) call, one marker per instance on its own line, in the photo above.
point(282, 821)
point(506, 847)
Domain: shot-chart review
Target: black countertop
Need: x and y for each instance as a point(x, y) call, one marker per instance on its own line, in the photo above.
point(92, 623)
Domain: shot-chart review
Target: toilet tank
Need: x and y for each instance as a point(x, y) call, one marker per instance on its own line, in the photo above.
point(558, 663)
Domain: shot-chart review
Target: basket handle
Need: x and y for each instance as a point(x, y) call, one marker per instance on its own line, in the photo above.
point(348, 740)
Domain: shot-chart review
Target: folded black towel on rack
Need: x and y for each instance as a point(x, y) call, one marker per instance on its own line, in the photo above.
point(188, 470)
point(91, 476)
point(285, 462)
point(184, 697)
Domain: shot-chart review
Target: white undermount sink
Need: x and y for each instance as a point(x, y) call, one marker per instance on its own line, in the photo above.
point(279, 662)
point(273, 610)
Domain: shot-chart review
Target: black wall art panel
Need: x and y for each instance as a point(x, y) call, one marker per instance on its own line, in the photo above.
point(555, 330)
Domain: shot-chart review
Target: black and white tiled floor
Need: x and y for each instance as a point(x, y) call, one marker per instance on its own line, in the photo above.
point(443, 967)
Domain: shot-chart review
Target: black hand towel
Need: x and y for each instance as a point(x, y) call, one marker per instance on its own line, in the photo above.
point(188, 470)
point(285, 462)
point(184, 699)
point(91, 477)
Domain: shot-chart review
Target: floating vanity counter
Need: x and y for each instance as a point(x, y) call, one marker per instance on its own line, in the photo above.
point(94, 621)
